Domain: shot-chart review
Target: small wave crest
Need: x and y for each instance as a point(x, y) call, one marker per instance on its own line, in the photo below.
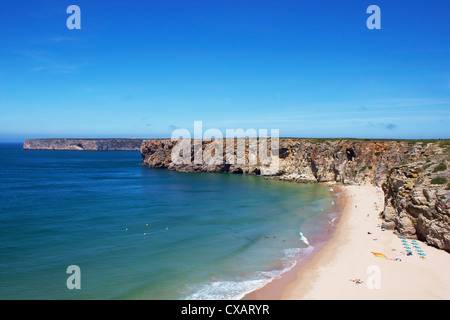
point(235, 290)
point(332, 221)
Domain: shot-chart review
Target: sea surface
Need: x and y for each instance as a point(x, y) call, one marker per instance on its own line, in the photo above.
point(140, 233)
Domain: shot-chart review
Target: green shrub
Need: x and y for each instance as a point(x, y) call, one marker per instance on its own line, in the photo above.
point(444, 144)
point(440, 167)
point(439, 180)
point(362, 169)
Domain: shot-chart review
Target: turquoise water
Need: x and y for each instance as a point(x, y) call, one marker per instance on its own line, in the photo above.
point(140, 233)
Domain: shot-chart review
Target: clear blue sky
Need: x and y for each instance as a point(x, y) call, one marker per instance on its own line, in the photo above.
point(307, 68)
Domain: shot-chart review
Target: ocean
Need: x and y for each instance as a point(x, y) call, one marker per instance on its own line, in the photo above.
point(140, 233)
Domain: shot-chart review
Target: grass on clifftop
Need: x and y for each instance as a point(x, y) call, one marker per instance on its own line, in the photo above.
point(443, 143)
point(439, 180)
point(440, 167)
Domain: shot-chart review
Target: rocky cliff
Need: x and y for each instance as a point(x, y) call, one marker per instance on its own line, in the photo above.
point(83, 144)
point(414, 175)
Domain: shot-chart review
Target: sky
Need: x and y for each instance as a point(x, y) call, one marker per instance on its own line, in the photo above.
point(142, 69)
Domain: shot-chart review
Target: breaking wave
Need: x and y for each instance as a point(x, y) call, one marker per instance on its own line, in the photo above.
point(237, 289)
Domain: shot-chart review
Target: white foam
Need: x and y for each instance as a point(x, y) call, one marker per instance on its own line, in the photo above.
point(227, 290)
point(235, 290)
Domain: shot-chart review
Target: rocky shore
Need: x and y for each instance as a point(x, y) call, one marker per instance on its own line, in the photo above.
point(413, 174)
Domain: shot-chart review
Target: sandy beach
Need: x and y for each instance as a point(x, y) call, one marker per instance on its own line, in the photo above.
point(346, 269)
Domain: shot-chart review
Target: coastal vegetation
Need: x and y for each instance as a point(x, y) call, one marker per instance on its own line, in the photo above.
point(440, 167)
point(439, 180)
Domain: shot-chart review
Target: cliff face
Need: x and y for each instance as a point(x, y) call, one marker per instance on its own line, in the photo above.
point(83, 144)
point(412, 174)
point(415, 205)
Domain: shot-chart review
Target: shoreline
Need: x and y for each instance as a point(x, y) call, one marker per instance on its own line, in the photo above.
point(273, 290)
point(344, 268)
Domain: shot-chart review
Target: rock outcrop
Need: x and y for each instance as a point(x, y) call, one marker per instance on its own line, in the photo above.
point(413, 174)
point(83, 144)
point(416, 206)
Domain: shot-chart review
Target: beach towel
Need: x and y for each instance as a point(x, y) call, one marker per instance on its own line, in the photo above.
point(377, 254)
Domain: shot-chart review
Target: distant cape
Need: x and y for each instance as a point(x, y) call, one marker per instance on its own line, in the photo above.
point(83, 144)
